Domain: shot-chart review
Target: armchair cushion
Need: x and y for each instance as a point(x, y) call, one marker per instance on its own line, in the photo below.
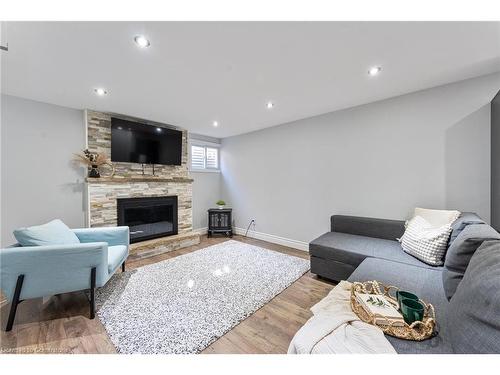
point(54, 232)
point(116, 256)
point(111, 235)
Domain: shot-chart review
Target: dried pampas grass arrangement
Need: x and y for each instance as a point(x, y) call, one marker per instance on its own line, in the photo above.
point(94, 161)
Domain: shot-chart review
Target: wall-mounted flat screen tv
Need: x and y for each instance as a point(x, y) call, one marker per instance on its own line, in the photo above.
point(136, 142)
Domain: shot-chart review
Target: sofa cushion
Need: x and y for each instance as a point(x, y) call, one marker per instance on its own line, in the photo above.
point(54, 232)
point(353, 249)
point(473, 319)
point(465, 219)
point(116, 256)
point(424, 282)
point(460, 252)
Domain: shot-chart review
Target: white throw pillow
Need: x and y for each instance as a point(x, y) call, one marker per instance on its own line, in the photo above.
point(437, 218)
point(425, 242)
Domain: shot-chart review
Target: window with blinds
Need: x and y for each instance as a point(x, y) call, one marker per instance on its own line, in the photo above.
point(204, 158)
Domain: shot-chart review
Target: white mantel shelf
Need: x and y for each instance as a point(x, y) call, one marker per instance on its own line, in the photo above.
point(118, 180)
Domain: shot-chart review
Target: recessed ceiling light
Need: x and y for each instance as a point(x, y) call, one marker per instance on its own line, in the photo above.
point(373, 71)
point(141, 41)
point(270, 105)
point(215, 123)
point(100, 91)
point(119, 128)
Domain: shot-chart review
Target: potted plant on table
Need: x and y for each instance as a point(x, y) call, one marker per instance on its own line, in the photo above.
point(220, 203)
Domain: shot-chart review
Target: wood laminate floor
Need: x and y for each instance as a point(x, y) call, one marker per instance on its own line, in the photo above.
point(61, 324)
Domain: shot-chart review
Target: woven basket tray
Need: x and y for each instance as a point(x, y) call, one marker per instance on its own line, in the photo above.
point(417, 331)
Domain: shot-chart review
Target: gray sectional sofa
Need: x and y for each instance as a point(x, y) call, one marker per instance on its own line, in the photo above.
point(465, 291)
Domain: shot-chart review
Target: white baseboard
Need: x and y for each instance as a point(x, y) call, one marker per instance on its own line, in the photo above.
point(304, 246)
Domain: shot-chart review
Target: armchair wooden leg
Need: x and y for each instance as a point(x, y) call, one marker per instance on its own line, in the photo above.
point(92, 293)
point(123, 266)
point(15, 302)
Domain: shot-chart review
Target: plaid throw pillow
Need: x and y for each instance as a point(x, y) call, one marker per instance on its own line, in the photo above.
point(425, 242)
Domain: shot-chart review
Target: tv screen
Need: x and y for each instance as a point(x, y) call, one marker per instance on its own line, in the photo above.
point(135, 142)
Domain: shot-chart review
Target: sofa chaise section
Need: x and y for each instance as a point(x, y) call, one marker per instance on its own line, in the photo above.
point(336, 254)
point(426, 283)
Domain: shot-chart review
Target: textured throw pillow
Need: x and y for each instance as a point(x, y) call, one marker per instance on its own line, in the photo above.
point(54, 232)
point(437, 218)
point(425, 242)
point(460, 253)
point(473, 315)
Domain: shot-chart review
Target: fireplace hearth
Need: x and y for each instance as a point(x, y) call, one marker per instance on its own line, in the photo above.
point(149, 217)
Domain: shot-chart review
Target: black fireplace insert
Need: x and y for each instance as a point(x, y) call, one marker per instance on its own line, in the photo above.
point(148, 218)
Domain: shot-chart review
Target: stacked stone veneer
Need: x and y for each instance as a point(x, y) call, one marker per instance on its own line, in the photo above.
point(102, 195)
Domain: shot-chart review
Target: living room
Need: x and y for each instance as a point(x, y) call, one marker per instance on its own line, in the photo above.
point(250, 187)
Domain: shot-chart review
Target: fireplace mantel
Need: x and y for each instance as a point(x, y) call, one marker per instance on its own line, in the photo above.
point(114, 180)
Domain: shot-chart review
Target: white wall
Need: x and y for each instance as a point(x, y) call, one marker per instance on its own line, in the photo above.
point(39, 180)
point(429, 148)
point(206, 188)
point(206, 191)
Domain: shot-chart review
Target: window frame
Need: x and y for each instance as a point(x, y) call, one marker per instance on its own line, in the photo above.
point(205, 145)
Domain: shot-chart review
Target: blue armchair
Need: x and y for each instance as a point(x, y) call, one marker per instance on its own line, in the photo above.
point(38, 271)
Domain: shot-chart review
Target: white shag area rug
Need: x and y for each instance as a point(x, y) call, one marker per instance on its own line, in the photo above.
point(183, 304)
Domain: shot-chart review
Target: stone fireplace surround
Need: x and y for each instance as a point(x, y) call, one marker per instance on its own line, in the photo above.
point(129, 182)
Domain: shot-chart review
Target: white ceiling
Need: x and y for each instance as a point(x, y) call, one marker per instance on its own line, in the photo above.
point(197, 72)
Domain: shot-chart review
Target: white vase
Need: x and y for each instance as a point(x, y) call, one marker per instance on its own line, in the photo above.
point(221, 207)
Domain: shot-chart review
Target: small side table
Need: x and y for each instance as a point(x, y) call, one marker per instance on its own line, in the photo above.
point(219, 221)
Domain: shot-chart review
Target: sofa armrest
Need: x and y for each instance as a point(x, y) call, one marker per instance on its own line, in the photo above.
point(55, 269)
point(111, 235)
point(369, 227)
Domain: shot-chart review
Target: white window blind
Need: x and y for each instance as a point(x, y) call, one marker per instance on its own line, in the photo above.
point(197, 157)
point(212, 158)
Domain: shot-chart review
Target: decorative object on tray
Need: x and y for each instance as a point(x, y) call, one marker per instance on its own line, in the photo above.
point(372, 303)
point(221, 204)
point(94, 161)
point(381, 309)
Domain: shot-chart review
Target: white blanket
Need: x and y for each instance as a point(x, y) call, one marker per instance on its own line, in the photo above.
point(334, 328)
